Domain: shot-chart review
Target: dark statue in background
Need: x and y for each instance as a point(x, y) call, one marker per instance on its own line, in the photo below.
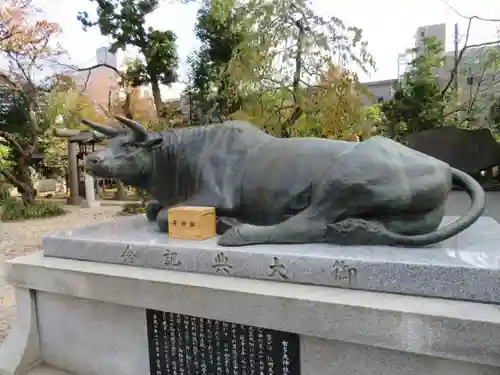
point(283, 191)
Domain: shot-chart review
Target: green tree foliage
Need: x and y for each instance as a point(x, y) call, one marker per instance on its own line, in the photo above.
point(475, 100)
point(494, 114)
point(220, 31)
point(17, 154)
point(286, 51)
point(419, 103)
point(266, 60)
point(26, 44)
point(14, 129)
point(64, 106)
point(424, 102)
point(124, 21)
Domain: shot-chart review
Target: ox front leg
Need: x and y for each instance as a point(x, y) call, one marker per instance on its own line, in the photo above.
point(162, 219)
point(153, 208)
point(304, 227)
point(224, 223)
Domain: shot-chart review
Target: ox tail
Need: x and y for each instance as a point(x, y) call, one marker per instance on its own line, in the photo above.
point(357, 231)
point(476, 209)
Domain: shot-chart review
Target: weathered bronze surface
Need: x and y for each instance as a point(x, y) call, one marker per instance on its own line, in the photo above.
point(299, 190)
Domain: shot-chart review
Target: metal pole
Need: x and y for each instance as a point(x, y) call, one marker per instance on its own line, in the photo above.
point(456, 63)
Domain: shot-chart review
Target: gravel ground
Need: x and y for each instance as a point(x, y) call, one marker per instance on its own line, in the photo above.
point(21, 238)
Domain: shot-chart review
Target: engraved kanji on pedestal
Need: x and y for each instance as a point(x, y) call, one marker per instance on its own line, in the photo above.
point(221, 264)
point(343, 272)
point(128, 255)
point(170, 259)
point(277, 269)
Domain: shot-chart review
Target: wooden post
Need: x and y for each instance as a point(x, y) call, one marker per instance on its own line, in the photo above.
point(74, 197)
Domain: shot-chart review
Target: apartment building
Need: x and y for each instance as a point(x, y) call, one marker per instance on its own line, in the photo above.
point(380, 90)
point(471, 70)
point(101, 84)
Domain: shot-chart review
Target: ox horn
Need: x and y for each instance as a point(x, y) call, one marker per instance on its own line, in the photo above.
point(139, 132)
point(103, 129)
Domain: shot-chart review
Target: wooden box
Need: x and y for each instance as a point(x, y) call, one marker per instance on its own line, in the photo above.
point(191, 223)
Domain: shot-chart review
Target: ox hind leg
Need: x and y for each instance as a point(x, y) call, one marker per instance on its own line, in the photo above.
point(377, 231)
point(311, 226)
point(308, 226)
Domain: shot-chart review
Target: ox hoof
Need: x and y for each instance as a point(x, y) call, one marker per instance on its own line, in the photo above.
point(233, 237)
point(153, 208)
point(162, 225)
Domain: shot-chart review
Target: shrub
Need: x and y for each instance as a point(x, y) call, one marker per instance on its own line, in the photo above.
point(14, 210)
point(4, 192)
point(132, 209)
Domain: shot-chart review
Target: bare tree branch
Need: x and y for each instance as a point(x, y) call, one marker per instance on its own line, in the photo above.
point(9, 81)
point(471, 17)
point(473, 98)
point(11, 178)
point(8, 137)
point(298, 111)
point(457, 62)
point(90, 69)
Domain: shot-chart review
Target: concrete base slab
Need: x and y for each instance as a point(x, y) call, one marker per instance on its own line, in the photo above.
point(20, 352)
point(102, 309)
point(47, 370)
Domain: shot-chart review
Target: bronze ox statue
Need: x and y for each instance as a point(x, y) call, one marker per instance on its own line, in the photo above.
point(284, 191)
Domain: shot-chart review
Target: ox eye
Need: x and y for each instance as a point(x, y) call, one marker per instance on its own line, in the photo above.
point(128, 147)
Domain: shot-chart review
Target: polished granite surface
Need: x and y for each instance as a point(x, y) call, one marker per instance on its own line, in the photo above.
point(464, 267)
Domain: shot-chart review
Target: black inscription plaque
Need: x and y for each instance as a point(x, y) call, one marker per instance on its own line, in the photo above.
point(187, 345)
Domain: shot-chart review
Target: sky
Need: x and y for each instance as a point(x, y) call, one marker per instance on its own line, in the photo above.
point(389, 26)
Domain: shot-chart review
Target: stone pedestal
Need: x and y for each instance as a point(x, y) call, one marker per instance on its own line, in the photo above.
point(321, 310)
point(465, 267)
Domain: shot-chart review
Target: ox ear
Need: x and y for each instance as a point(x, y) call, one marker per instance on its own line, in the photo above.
point(152, 143)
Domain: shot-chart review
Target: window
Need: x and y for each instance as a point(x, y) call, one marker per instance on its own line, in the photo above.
point(380, 99)
point(422, 34)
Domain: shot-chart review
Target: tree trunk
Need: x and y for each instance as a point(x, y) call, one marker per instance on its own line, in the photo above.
point(298, 111)
point(155, 88)
point(127, 110)
point(121, 194)
point(28, 195)
point(21, 179)
point(25, 188)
